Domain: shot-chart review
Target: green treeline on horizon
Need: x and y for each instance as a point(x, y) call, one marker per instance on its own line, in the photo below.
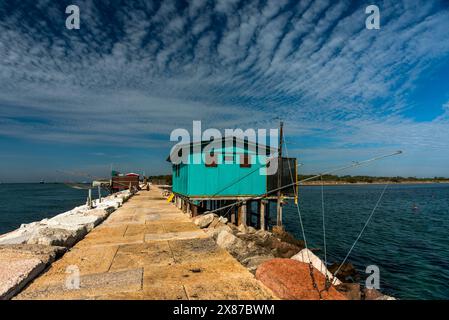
point(335, 178)
point(370, 179)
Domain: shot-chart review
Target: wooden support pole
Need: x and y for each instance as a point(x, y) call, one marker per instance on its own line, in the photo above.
point(279, 173)
point(258, 205)
point(267, 214)
point(242, 214)
point(248, 213)
point(89, 199)
point(99, 194)
point(263, 205)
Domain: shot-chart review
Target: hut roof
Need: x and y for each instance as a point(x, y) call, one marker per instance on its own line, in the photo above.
point(225, 139)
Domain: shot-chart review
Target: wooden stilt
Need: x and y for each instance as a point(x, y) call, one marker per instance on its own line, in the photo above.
point(267, 214)
point(232, 214)
point(89, 199)
point(194, 210)
point(279, 173)
point(263, 205)
point(242, 214)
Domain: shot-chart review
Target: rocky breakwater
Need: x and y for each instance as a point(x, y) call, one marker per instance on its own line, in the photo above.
point(283, 264)
point(30, 249)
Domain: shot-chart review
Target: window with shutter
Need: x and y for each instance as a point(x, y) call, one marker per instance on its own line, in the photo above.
point(211, 160)
point(245, 161)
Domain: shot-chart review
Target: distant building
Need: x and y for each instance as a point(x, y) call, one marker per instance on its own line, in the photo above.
point(122, 182)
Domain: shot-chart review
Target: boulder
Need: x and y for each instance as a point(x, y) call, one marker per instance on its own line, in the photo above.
point(57, 236)
point(217, 222)
point(347, 272)
point(374, 294)
point(287, 237)
point(253, 262)
point(203, 221)
point(213, 232)
point(350, 290)
point(75, 222)
point(251, 230)
point(103, 212)
point(235, 246)
point(263, 238)
point(291, 280)
point(241, 228)
point(21, 235)
point(227, 240)
point(308, 256)
point(386, 297)
point(234, 228)
point(19, 264)
point(371, 294)
point(223, 220)
point(282, 249)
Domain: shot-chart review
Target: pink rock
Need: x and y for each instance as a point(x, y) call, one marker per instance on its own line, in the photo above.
point(291, 280)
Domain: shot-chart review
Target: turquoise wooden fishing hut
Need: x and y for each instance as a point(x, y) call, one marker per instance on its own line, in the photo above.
point(232, 170)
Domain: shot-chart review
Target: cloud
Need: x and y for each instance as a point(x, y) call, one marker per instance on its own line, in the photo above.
point(135, 72)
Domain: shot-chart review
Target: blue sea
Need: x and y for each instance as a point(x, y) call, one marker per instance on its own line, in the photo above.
point(407, 238)
point(25, 203)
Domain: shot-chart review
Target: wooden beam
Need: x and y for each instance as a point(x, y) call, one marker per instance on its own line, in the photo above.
point(263, 205)
point(242, 214)
point(279, 172)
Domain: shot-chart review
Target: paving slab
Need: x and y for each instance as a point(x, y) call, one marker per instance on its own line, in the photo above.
point(147, 249)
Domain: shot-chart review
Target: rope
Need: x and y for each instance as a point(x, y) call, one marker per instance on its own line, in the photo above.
point(297, 204)
point(315, 286)
point(324, 224)
point(229, 210)
point(363, 229)
point(266, 194)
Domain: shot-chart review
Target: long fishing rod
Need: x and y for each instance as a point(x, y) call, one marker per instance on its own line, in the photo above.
point(353, 165)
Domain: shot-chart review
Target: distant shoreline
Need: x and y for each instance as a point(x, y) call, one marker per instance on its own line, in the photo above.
point(339, 183)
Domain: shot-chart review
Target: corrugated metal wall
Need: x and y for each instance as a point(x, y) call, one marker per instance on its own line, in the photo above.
point(223, 180)
point(230, 179)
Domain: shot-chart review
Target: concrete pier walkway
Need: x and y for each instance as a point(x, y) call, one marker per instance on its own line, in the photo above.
point(147, 249)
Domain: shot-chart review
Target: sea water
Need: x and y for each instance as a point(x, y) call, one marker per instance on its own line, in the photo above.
point(407, 237)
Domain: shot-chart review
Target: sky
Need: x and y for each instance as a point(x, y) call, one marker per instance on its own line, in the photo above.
point(73, 103)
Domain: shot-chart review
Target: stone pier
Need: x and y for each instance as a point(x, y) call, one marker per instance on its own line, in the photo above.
point(147, 249)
